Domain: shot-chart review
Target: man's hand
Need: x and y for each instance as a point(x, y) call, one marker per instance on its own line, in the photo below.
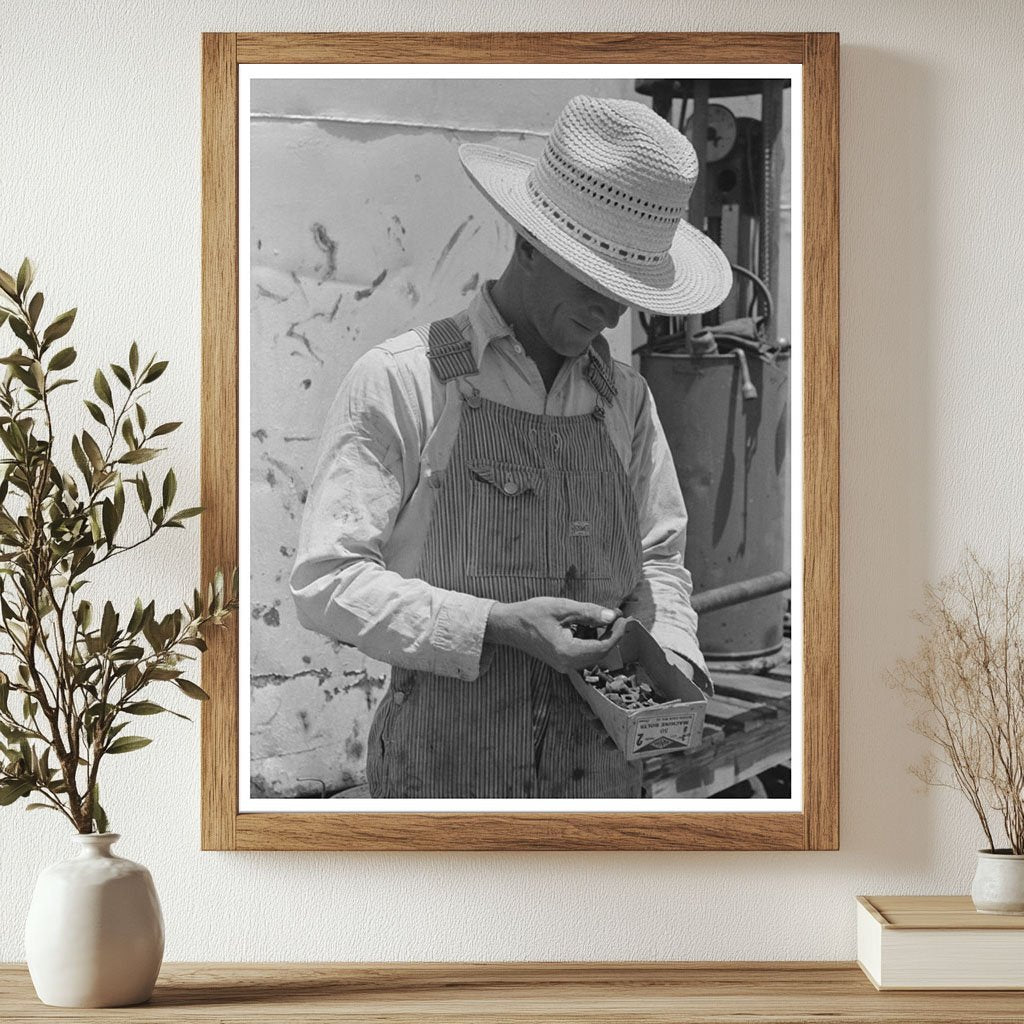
point(542, 627)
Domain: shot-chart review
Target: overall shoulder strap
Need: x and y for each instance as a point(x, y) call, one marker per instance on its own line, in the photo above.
point(451, 358)
point(600, 371)
point(450, 352)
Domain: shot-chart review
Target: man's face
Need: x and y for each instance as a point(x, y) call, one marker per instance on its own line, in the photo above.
point(566, 314)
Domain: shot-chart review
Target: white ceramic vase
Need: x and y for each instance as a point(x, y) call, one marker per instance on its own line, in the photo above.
point(999, 883)
point(95, 933)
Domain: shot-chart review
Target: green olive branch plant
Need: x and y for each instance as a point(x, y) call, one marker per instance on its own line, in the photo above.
point(80, 675)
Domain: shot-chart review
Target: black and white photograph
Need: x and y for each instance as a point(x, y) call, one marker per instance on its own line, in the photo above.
point(520, 374)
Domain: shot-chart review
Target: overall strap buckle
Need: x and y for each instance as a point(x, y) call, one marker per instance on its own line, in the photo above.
point(470, 394)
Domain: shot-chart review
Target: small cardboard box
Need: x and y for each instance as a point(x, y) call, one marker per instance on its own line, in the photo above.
point(671, 727)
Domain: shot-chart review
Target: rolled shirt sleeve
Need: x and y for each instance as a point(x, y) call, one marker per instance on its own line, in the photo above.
point(368, 465)
point(662, 599)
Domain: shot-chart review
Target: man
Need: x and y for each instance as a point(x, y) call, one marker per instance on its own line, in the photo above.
point(492, 482)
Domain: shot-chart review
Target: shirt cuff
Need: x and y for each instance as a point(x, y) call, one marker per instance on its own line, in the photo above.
point(683, 644)
point(686, 662)
point(459, 635)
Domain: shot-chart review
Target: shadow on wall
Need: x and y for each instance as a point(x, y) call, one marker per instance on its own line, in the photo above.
point(888, 273)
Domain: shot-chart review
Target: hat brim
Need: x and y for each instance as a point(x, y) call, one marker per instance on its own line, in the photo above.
point(694, 278)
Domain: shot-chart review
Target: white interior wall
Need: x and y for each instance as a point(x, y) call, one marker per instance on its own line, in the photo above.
point(100, 182)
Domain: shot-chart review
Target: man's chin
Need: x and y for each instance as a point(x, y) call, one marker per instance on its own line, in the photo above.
point(574, 347)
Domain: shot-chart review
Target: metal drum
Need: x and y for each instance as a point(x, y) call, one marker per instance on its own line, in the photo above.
point(732, 457)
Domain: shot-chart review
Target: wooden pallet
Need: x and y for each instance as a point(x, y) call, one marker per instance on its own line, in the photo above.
point(747, 730)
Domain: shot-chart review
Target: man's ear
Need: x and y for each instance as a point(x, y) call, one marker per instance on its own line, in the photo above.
point(525, 252)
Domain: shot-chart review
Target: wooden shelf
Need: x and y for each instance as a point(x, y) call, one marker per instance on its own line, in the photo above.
point(660, 993)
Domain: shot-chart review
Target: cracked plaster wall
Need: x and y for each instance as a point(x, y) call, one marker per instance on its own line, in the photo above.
point(359, 229)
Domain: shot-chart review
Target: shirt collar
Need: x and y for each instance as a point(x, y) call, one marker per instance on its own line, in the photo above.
point(487, 323)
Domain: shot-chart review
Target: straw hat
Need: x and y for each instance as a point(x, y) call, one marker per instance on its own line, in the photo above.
point(607, 201)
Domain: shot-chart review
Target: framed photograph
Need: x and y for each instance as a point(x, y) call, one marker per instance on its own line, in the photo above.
point(520, 419)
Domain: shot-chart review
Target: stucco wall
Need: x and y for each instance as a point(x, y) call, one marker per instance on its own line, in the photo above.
point(100, 177)
point(362, 225)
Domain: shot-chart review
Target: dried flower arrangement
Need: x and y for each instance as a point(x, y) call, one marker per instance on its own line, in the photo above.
point(967, 682)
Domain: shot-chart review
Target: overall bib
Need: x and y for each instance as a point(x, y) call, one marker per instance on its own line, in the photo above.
point(528, 506)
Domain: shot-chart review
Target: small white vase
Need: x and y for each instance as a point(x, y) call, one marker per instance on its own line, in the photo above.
point(999, 882)
point(95, 933)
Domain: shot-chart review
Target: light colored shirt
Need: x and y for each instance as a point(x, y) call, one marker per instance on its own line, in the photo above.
point(369, 505)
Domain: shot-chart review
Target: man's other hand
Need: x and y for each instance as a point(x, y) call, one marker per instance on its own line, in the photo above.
point(542, 627)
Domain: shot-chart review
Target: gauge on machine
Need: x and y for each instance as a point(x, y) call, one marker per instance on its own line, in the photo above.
point(721, 131)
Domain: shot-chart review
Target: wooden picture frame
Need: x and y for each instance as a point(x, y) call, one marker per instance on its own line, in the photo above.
point(816, 826)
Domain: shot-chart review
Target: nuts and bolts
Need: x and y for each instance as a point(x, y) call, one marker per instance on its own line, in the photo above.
point(623, 687)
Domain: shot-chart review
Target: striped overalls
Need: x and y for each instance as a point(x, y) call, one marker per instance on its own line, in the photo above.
point(528, 506)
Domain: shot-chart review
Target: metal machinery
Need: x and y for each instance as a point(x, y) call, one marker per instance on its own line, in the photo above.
point(721, 381)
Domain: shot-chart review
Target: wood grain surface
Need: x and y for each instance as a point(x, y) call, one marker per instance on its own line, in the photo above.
point(936, 912)
point(817, 827)
point(219, 431)
point(821, 441)
point(654, 831)
point(615, 993)
point(521, 47)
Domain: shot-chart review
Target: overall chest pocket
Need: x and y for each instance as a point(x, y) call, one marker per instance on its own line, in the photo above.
point(594, 534)
point(508, 522)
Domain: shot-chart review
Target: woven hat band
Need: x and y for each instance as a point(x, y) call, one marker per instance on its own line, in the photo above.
point(607, 247)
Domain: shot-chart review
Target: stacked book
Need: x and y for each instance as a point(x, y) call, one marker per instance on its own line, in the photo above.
point(938, 942)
